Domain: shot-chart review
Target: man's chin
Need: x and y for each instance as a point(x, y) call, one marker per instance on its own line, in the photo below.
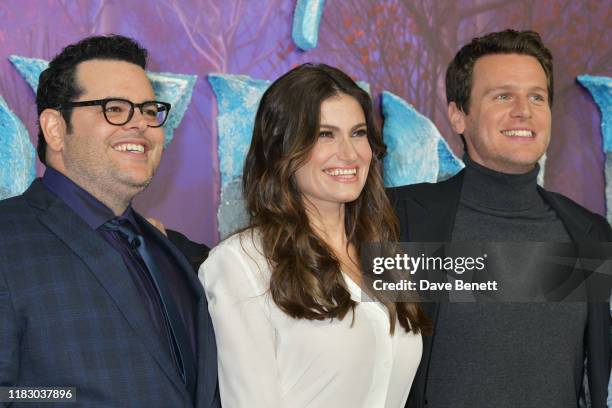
point(135, 183)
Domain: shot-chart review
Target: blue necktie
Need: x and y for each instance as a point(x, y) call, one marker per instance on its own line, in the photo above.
point(185, 359)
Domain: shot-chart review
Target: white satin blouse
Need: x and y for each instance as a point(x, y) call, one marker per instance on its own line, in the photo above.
point(270, 360)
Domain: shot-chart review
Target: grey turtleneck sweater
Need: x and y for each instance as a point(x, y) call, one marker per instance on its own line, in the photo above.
point(506, 355)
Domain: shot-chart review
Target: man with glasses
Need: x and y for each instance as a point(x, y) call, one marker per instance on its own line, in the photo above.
point(92, 296)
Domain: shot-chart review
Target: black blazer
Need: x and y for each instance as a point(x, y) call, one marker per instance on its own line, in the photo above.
point(427, 212)
point(195, 252)
point(70, 314)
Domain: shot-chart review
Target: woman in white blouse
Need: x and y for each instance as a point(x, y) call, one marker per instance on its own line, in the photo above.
point(284, 294)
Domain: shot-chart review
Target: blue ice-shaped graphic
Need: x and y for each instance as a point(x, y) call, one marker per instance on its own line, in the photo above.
point(416, 151)
point(17, 155)
point(29, 68)
point(237, 101)
point(600, 88)
point(306, 21)
point(176, 89)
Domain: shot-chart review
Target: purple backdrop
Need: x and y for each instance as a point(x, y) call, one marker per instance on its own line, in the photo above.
point(400, 46)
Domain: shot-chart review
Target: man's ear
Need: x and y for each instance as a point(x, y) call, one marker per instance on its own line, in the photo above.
point(53, 127)
point(456, 117)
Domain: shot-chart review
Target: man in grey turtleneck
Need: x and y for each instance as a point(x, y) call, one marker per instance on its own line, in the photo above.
point(505, 355)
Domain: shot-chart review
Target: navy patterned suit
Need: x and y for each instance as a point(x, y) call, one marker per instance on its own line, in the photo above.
point(69, 316)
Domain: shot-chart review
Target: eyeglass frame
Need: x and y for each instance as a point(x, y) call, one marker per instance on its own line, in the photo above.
point(103, 102)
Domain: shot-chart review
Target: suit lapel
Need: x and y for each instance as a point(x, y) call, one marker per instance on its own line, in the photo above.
point(206, 356)
point(577, 225)
point(438, 209)
point(588, 248)
point(107, 267)
point(428, 215)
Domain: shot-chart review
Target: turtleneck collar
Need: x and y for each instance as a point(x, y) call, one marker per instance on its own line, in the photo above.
point(483, 187)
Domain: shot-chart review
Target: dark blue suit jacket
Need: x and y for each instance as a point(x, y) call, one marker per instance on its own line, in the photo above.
point(70, 314)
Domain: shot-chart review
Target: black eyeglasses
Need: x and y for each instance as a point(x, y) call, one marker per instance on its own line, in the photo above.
point(118, 111)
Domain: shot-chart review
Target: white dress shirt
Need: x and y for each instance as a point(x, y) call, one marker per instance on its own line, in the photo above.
point(268, 359)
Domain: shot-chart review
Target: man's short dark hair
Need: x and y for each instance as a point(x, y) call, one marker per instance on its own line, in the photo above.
point(459, 75)
point(57, 84)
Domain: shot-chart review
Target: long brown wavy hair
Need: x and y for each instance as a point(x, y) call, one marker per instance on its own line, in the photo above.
point(306, 281)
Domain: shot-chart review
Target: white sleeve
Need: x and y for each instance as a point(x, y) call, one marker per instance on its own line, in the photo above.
point(248, 374)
